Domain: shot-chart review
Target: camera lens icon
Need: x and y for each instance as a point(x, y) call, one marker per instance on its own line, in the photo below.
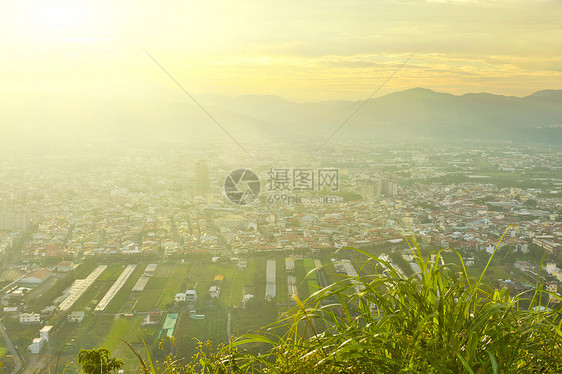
point(242, 186)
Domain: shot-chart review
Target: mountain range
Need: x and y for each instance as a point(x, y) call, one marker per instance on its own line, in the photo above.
point(414, 113)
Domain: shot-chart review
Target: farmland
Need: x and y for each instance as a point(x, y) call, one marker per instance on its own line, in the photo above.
point(124, 313)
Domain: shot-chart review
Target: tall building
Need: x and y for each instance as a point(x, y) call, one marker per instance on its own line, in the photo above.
point(12, 218)
point(371, 188)
point(201, 177)
point(389, 188)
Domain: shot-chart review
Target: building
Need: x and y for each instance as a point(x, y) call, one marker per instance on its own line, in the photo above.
point(30, 318)
point(37, 345)
point(75, 317)
point(36, 276)
point(214, 291)
point(14, 219)
point(191, 296)
point(370, 188)
point(170, 248)
point(546, 244)
point(389, 188)
point(48, 310)
point(150, 270)
point(180, 297)
point(289, 264)
point(152, 318)
point(65, 266)
point(44, 332)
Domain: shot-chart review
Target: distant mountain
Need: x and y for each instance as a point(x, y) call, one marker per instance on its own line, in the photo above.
point(415, 113)
point(547, 93)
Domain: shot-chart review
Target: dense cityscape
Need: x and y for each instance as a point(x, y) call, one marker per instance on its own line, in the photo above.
point(150, 236)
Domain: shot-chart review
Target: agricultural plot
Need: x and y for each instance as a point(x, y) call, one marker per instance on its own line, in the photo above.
point(270, 278)
point(128, 330)
point(123, 301)
point(259, 277)
point(147, 300)
point(330, 271)
point(99, 288)
point(302, 285)
point(80, 287)
point(281, 282)
point(174, 284)
point(119, 283)
point(236, 288)
point(242, 283)
point(213, 328)
point(312, 278)
point(204, 278)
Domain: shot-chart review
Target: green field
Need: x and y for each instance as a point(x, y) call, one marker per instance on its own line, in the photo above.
point(147, 300)
point(175, 283)
point(160, 291)
point(302, 285)
point(100, 287)
point(129, 330)
point(311, 278)
point(236, 288)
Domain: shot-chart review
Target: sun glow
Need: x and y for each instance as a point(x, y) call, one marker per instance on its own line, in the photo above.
point(57, 16)
point(59, 20)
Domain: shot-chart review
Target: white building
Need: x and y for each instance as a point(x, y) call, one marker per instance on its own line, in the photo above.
point(36, 346)
point(76, 316)
point(214, 291)
point(180, 297)
point(191, 296)
point(30, 318)
point(44, 332)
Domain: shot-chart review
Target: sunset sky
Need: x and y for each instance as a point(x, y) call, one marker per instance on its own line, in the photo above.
point(300, 50)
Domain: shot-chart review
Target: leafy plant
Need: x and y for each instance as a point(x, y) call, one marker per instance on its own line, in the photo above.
point(436, 321)
point(98, 361)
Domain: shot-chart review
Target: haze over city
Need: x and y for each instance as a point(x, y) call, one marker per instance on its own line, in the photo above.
point(312, 186)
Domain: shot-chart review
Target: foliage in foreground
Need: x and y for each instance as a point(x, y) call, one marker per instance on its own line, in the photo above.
point(436, 321)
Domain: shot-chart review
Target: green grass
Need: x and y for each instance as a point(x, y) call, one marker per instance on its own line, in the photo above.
point(441, 320)
point(128, 330)
point(260, 277)
point(438, 321)
point(236, 289)
point(176, 278)
point(156, 283)
point(311, 276)
point(250, 274)
point(147, 300)
point(83, 270)
point(111, 273)
point(302, 284)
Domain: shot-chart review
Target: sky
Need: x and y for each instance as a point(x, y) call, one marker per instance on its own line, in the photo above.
point(302, 50)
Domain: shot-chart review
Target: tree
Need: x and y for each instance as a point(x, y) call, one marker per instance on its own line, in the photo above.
point(98, 361)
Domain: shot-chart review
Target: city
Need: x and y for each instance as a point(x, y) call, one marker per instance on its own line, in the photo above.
point(134, 241)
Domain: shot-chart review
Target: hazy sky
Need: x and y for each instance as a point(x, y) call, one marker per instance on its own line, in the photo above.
point(298, 49)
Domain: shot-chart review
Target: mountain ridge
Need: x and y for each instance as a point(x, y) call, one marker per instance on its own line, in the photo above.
point(413, 113)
